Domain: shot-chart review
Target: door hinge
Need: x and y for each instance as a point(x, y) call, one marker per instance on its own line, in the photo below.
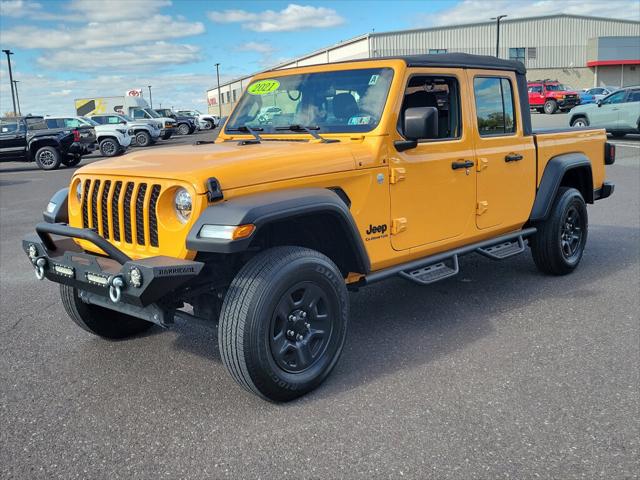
point(482, 207)
point(482, 164)
point(397, 174)
point(398, 225)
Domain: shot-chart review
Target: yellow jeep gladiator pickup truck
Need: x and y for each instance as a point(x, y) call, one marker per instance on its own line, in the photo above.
point(364, 170)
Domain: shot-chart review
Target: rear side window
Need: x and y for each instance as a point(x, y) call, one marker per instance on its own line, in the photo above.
point(634, 96)
point(8, 126)
point(494, 106)
point(53, 123)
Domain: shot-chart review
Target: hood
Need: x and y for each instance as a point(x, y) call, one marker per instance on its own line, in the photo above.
point(232, 164)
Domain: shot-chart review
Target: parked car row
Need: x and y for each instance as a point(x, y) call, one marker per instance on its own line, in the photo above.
point(618, 112)
point(52, 141)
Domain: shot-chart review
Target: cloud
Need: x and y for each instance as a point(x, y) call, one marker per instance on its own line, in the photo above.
point(158, 54)
point(97, 11)
point(101, 35)
point(258, 47)
point(469, 11)
point(186, 90)
point(19, 8)
point(294, 17)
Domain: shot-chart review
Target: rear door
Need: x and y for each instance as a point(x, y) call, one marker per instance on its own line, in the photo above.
point(505, 156)
point(536, 96)
point(630, 111)
point(607, 115)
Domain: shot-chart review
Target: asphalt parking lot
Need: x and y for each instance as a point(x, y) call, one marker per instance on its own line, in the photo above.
point(500, 372)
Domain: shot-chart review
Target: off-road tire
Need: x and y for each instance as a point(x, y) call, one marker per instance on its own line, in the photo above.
point(71, 160)
point(109, 147)
point(550, 107)
point(48, 158)
point(580, 122)
point(549, 249)
point(143, 139)
point(249, 320)
point(183, 129)
point(98, 320)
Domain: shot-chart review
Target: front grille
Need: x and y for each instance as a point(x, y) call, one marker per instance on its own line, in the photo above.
point(115, 207)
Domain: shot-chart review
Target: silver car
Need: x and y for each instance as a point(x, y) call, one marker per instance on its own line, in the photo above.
point(618, 113)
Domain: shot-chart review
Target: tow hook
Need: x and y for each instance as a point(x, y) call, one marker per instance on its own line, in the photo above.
point(40, 263)
point(115, 288)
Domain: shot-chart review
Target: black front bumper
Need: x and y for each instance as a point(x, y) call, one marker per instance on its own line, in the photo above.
point(63, 261)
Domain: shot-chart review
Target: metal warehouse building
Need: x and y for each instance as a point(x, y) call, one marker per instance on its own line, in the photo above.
point(577, 50)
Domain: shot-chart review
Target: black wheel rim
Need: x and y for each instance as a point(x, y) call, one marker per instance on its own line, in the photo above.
point(108, 148)
point(47, 158)
point(141, 139)
point(571, 233)
point(301, 327)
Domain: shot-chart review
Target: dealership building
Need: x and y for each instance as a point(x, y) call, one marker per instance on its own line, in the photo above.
point(576, 50)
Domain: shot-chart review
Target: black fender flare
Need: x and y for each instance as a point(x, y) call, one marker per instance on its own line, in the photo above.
point(552, 177)
point(263, 208)
point(57, 210)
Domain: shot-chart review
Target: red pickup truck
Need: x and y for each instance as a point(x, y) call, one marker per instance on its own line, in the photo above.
point(547, 96)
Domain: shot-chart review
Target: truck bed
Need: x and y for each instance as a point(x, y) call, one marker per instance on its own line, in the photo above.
point(556, 141)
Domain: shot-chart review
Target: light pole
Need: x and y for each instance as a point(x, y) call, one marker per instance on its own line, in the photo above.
point(15, 82)
point(13, 95)
point(497, 19)
point(150, 97)
point(218, 75)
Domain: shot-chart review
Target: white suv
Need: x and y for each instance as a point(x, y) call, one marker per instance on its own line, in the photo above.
point(144, 133)
point(112, 139)
point(205, 120)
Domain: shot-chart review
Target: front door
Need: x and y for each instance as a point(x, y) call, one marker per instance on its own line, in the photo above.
point(431, 198)
point(536, 95)
point(13, 138)
point(505, 157)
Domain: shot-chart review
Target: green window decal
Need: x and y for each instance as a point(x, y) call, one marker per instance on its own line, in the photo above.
point(263, 87)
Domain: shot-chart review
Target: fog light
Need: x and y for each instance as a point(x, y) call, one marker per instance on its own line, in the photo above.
point(63, 270)
point(33, 252)
point(135, 277)
point(97, 279)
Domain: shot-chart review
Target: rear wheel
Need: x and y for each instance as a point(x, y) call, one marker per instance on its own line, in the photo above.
point(48, 158)
point(208, 124)
point(109, 147)
point(550, 107)
point(284, 322)
point(558, 245)
point(143, 139)
point(580, 122)
point(98, 320)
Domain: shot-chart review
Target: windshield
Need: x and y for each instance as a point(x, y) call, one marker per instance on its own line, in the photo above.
point(126, 117)
point(557, 88)
point(152, 113)
point(337, 101)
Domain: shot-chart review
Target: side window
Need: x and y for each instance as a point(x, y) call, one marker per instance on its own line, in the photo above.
point(8, 126)
point(634, 96)
point(99, 120)
point(617, 97)
point(138, 114)
point(536, 89)
point(440, 92)
point(494, 105)
point(52, 123)
point(71, 123)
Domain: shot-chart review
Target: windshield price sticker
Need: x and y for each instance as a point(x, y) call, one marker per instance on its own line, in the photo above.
point(364, 120)
point(263, 87)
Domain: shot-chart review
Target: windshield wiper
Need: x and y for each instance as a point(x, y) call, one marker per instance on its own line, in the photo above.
point(310, 130)
point(253, 131)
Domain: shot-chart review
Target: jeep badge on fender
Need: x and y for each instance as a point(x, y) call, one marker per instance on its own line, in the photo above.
point(262, 232)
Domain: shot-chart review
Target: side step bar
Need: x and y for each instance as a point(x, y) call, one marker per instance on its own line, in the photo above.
point(433, 268)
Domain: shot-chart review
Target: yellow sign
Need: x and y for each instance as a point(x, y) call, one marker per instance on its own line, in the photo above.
point(263, 87)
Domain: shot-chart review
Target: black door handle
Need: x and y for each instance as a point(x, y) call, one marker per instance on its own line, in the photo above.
point(513, 157)
point(462, 164)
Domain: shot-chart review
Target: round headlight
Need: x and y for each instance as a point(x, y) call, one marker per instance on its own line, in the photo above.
point(79, 191)
point(183, 204)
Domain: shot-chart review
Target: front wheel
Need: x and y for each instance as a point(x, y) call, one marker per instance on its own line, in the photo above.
point(109, 147)
point(143, 139)
point(580, 122)
point(284, 322)
point(183, 129)
point(558, 245)
point(99, 320)
point(550, 107)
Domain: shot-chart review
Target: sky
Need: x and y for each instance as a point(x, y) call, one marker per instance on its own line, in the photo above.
point(67, 49)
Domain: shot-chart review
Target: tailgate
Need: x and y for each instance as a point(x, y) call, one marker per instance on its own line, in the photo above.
point(588, 141)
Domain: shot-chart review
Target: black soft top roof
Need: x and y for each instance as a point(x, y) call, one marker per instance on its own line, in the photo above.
point(463, 60)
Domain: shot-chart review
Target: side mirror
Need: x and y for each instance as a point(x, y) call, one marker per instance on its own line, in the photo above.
point(420, 123)
point(123, 122)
